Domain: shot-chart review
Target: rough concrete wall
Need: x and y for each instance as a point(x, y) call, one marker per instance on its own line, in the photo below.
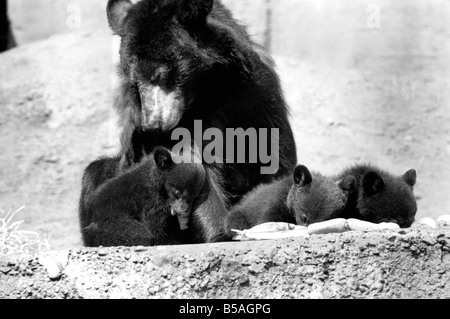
point(56, 117)
point(413, 264)
point(384, 36)
point(39, 19)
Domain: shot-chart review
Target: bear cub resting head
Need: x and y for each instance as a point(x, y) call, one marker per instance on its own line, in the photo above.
point(371, 194)
point(315, 198)
point(380, 196)
point(302, 198)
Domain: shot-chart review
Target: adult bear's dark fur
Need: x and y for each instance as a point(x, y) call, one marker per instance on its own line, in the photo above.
point(183, 61)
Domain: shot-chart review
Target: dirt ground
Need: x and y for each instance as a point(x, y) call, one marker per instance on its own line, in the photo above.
point(56, 117)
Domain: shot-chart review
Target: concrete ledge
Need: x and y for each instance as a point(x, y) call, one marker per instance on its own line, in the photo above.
point(412, 264)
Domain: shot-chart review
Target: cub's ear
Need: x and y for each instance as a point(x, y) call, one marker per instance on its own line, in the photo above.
point(373, 184)
point(195, 11)
point(163, 158)
point(302, 176)
point(117, 11)
point(347, 183)
point(410, 177)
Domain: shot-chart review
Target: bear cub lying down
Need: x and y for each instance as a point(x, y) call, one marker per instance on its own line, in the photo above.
point(363, 192)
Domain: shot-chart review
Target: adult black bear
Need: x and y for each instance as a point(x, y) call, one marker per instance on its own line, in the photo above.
point(301, 199)
point(184, 61)
point(380, 196)
point(154, 204)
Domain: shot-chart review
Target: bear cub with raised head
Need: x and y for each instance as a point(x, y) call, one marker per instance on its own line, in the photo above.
point(154, 203)
point(301, 198)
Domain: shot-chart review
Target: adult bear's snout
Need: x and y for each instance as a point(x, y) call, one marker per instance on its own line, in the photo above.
point(161, 110)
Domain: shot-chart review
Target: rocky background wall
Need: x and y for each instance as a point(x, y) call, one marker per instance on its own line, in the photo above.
point(365, 80)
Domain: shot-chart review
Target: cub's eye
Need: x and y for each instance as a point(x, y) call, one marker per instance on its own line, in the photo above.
point(177, 194)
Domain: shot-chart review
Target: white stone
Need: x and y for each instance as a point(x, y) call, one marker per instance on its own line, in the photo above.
point(429, 222)
point(443, 221)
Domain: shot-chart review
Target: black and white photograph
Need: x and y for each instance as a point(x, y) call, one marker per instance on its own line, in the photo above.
point(224, 154)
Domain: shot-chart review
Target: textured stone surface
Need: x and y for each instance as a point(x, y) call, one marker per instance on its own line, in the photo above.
point(39, 19)
point(412, 264)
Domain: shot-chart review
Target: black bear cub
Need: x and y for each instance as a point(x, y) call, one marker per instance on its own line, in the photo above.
point(152, 205)
point(380, 196)
point(301, 199)
point(315, 197)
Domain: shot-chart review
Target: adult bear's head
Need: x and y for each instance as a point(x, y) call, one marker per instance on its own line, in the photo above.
point(165, 48)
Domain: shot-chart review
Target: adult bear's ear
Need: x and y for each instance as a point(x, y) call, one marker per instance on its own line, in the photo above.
point(117, 11)
point(163, 158)
point(373, 184)
point(410, 177)
point(302, 176)
point(195, 12)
